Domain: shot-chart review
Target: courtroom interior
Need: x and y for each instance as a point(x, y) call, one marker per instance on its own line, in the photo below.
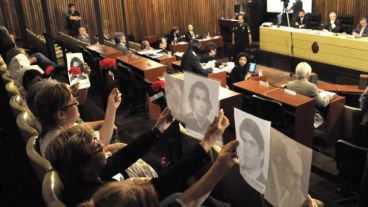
point(170, 103)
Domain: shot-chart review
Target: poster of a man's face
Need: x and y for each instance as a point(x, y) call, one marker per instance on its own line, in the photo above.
point(253, 150)
point(76, 60)
point(289, 171)
point(174, 89)
point(201, 104)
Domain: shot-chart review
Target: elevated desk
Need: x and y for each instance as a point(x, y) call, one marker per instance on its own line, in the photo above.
point(105, 51)
point(221, 76)
point(301, 107)
point(183, 46)
point(329, 48)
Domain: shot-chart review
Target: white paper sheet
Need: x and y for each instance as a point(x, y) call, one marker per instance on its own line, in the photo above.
point(253, 134)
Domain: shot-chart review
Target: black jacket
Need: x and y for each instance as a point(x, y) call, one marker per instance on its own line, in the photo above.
point(191, 62)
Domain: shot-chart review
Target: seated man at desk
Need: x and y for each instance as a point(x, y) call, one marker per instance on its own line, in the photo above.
point(333, 25)
point(191, 60)
point(120, 43)
point(361, 30)
point(161, 43)
point(209, 54)
point(303, 87)
point(145, 45)
point(300, 21)
point(173, 37)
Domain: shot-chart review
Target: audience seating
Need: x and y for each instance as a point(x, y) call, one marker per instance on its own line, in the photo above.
point(352, 163)
point(38, 42)
point(134, 46)
point(40, 165)
point(351, 119)
point(17, 104)
point(347, 23)
point(27, 125)
point(12, 89)
point(7, 78)
point(69, 43)
point(52, 188)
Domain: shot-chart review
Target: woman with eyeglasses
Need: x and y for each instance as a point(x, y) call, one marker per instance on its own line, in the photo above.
point(79, 159)
point(56, 109)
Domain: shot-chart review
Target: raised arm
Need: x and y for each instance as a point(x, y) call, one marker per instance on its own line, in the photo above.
point(107, 127)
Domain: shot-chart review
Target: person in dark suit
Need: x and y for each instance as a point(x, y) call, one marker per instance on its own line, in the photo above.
point(120, 43)
point(191, 60)
point(300, 21)
point(334, 25)
point(190, 34)
point(361, 30)
point(200, 105)
point(73, 20)
point(297, 6)
point(173, 37)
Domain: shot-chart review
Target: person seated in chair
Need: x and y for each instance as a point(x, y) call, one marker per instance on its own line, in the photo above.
point(303, 87)
point(190, 35)
point(334, 25)
point(300, 20)
point(121, 43)
point(191, 60)
point(240, 71)
point(173, 37)
point(145, 45)
point(80, 160)
point(361, 30)
point(83, 35)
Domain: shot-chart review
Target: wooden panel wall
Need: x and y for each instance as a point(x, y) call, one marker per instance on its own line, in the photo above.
point(147, 17)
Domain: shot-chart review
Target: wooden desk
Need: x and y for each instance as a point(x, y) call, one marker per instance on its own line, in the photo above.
point(221, 76)
point(339, 87)
point(165, 59)
point(183, 46)
point(105, 51)
point(301, 107)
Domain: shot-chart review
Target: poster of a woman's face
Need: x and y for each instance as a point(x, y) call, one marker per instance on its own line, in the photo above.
point(253, 134)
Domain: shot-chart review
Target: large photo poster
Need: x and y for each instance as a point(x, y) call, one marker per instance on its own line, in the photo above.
point(253, 151)
point(75, 66)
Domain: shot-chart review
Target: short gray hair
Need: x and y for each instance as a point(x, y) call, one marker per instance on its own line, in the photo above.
point(303, 70)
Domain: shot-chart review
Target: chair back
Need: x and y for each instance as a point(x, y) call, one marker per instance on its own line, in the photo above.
point(27, 125)
point(134, 46)
point(347, 23)
point(52, 189)
point(352, 162)
point(351, 121)
point(313, 21)
point(40, 165)
point(351, 99)
point(12, 89)
point(270, 110)
point(17, 104)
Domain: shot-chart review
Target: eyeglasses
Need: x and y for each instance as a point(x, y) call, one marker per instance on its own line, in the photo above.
point(75, 103)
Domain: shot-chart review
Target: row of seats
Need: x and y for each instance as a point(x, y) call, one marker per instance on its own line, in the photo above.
point(38, 42)
point(51, 182)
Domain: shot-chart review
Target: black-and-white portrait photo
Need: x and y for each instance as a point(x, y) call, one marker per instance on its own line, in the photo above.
point(201, 103)
point(174, 91)
point(253, 150)
point(76, 60)
point(289, 171)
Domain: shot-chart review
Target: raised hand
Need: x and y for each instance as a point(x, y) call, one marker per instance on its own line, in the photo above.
point(164, 121)
point(226, 156)
point(215, 131)
point(114, 98)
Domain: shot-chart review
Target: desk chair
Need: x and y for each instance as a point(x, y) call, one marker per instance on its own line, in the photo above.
point(270, 110)
point(40, 165)
point(313, 21)
point(52, 188)
point(134, 46)
point(352, 117)
point(26, 125)
point(352, 163)
point(351, 99)
point(347, 23)
point(17, 104)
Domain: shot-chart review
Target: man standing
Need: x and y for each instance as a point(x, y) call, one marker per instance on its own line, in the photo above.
point(241, 36)
point(73, 20)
